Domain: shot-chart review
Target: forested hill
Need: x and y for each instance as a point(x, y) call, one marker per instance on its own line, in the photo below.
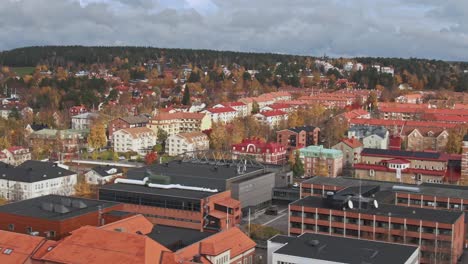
point(62, 55)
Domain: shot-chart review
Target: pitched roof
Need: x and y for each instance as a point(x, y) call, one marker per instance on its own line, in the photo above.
point(33, 171)
point(272, 113)
point(218, 110)
point(391, 153)
point(135, 119)
point(352, 142)
point(107, 170)
point(178, 115)
point(132, 224)
point(93, 245)
point(23, 246)
point(135, 131)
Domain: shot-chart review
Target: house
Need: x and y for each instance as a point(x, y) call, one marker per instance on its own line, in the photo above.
point(15, 155)
point(54, 216)
point(137, 139)
point(83, 121)
point(309, 248)
point(35, 178)
point(222, 114)
point(272, 118)
point(351, 149)
point(265, 152)
point(180, 122)
point(78, 109)
point(320, 161)
point(102, 174)
point(298, 137)
point(186, 143)
point(370, 136)
point(127, 122)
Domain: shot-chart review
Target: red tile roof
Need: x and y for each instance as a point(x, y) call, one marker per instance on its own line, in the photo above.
point(218, 110)
point(233, 239)
point(91, 245)
point(133, 224)
point(352, 142)
point(233, 104)
point(22, 246)
point(273, 113)
point(178, 115)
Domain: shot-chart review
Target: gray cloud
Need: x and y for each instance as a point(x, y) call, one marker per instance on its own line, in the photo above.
point(397, 28)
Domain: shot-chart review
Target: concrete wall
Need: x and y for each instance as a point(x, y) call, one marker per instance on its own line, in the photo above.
point(254, 191)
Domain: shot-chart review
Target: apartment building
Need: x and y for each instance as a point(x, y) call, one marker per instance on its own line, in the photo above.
point(127, 122)
point(298, 137)
point(15, 155)
point(321, 161)
point(83, 121)
point(138, 139)
point(180, 122)
point(221, 114)
point(272, 118)
point(186, 143)
point(265, 152)
point(351, 149)
point(371, 136)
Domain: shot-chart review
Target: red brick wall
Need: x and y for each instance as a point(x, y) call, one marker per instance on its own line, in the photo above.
point(61, 228)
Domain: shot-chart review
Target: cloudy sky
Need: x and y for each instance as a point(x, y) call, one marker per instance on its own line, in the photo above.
point(397, 28)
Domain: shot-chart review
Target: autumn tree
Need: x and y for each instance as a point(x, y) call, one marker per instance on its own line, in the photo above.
point(255, 107)
point(4, 143)
point(83, 188)
point(151, 158)
point(97, 136)
point(297, 165)
point(455, 140)
point(372, 100)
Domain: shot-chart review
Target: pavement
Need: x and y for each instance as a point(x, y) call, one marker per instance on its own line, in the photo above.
point(279, 221)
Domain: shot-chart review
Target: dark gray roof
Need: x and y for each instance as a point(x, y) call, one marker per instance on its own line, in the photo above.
point(401, 153)
point(439, 190)
point(119, 213)
point(55, 207)
point(103, 170)
point(302, 128)
point(443, 216)
point(131, 188)
point(175, 238)
point(363, 131)
point(192, 174)
point(33, 171)
point(344, 250)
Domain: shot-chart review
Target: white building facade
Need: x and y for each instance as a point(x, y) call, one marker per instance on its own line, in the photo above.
point(187, 142)
point(137, 139)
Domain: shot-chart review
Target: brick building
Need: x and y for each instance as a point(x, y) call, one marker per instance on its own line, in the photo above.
point(439, 234)
point(53, 216)
point(321, 161)
point(127, 122)
point(265, 152)
point(298, 137)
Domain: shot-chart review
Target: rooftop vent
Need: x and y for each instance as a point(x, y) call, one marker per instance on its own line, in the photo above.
point(313, 243)
point(78, 204)
point(47, 206)
point(119, 229)
point(58, 208)
point(65, 201)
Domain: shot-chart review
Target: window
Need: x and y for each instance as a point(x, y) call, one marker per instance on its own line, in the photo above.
point(7, 251)
point(11, 227)
point(29, 230)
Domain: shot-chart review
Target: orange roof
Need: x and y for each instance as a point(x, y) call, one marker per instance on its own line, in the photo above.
point(136, 131)
point(131, 224)
point(352, 142)
point(178, 115)
point(229, 202)
point(22, 246)
point(233, 239)
point(92, 245)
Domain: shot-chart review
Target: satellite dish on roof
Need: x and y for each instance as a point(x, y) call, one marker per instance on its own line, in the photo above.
point(350, 204)
point(376, 204)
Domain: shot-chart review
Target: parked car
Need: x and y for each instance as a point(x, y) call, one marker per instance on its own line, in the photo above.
point(272, 210)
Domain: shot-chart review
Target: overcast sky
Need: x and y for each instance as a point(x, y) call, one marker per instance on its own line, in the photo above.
point(397, 28)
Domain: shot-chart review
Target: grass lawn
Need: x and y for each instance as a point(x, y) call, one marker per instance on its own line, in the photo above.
point(21, 71)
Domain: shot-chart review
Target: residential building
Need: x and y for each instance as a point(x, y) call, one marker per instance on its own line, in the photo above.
point(370, 136)
point(83, 121)
point(438, 233)
point(410, 99)
point(127, 122)
point(16, 155)
point(318, 160)
point(323, 249)
point(77, 109)
point(351, 149)
point(272, 118)
point(221, 114)
point(420, 139)
point(53, 216)
point(265, 152)
point(180, 122)
point(298, 137)
point(408, 166)
point(137, 139)
point(186, 143)
point(66, 142)
point(103, 174)
point(35, 178)
point(241, 108)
